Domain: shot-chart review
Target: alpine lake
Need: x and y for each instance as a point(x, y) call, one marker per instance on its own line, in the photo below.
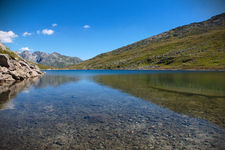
point(114, 109)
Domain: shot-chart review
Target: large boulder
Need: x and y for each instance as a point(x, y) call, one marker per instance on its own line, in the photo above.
point(4, 60)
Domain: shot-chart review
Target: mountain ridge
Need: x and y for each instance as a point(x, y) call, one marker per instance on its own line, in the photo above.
point(169, 50)
point(49, 59)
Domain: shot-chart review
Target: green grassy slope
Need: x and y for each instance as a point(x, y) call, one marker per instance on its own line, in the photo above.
point(195, 46)
point(10, 53)
point(44, 67)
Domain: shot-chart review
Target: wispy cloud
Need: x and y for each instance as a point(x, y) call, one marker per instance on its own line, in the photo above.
point(7, 37)
point(47, 31)
point(54, 24)
point(86, 26)
point(26, 49)
point(26, 34)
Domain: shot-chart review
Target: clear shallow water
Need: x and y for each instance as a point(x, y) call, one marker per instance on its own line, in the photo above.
point(115, 110)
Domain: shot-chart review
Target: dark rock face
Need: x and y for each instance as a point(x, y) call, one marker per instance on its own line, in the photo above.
point(11, 69)
point(4, 60)
point(55, 59)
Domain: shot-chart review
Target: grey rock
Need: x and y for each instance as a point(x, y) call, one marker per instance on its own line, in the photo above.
point(22, 63)
point(16, 75)
point(3, 70)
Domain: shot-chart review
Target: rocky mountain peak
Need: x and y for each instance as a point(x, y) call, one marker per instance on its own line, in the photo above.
point(55, 53)
point(54, 59)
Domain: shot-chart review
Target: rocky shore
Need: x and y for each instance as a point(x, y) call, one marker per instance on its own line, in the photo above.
point(12, 69)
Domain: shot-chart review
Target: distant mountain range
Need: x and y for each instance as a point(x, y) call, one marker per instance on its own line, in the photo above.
point(194, 46)
point(54, 59)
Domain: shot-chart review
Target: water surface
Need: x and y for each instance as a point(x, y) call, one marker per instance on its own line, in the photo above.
point(114, 110)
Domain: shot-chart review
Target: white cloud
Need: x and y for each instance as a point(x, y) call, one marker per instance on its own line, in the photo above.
point(54, 24)
point(47, 31)
point(26, 49)
point(7, 37)
point(26, 33)
point(86, 26)
point(38, 32)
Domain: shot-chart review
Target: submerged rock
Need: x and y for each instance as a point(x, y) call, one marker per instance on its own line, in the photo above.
point(95, 118)
point(11, 69)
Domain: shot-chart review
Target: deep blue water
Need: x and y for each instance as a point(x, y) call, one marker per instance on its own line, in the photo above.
point(115, 110)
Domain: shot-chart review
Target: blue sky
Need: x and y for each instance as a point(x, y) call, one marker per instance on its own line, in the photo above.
point(86, 28)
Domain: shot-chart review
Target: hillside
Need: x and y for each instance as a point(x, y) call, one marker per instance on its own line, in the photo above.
point(11, 54)
point(54, 59)
point(194, 46)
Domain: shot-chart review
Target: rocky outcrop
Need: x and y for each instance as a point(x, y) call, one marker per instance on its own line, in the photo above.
point(12, 69)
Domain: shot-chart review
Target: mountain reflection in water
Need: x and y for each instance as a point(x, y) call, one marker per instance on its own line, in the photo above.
point(200, 95)
point(9, 90)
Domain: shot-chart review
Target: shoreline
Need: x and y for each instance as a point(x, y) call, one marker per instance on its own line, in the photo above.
point(207, 70)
